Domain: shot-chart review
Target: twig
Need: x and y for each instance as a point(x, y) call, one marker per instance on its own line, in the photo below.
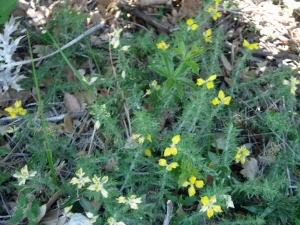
point(168, 216)
point(85, 34)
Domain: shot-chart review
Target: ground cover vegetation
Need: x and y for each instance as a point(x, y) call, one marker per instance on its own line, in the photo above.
point(146, 128)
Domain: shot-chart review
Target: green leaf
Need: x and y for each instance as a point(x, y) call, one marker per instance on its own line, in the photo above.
point(168, 62)
point(213, 157)
point(193, 65)
point(177, 51)
point(182, 178)
point(168, 86)
point(194, 52)
point(35, 207)
point(18, 216)
point(180, 69)
point(160, 70)
point(181, 47)
point(88, 207)
point(22, 201)
point(187, 82)
point(7, 6)
point(30, 215)
point(4, 177)
point(179, 88)
point(4, 151)
point(255, 209)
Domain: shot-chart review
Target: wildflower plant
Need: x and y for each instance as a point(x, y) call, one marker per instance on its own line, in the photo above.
point(165, 126)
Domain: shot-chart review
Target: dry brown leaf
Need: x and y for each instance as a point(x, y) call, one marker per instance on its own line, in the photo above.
point(189, 7)
point(219, 139)
point(180, 211)
point(250, 168)
point(68, 124)
point(71, 102)
point(226, 63)
point(84, 98)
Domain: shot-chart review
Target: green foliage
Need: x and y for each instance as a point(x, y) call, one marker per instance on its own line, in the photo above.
point(131, 113)
point(6, 8)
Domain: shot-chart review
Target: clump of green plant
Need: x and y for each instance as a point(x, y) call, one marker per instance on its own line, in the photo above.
point(167, 133)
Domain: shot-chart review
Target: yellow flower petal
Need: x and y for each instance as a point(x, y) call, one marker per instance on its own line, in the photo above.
point(215, 101)
point(210, 212)
point(210, 85)
point(212, 77)
point(189, 22)
point(175, 139)
point(194, 26)
point(149, 138)
point(185, 184)
point(245, 43)
point(18, 103)
point(217, 208)
point(148, 152)
point(162, 162)
point(192, 180)
point(205, 200)
point(173, 165)
point(200, 81)
point(167, 152)
point(173, 151)
point(221, 95)
point(226, 100)
point(199, 183)
point(191, 191)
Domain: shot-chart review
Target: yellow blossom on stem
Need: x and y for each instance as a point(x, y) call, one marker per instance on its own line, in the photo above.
point(293, 82)
point(80, 180)
point(250, 46)
point(24, 175)
point(149, 138)
point(175, 139)
point(214, 13)
point(132, 201)
point(209, 82)
point(148, 152)
point(221, 99)
point(193, 182)
point(112, 221)
point(98, 185)
point(209, 207)
point(191, 24)
point(169, 167)
point(242, 153)
point(217, 2)
point(17, 109)
point(207, 35)
point(170, 151)
point(162, 45)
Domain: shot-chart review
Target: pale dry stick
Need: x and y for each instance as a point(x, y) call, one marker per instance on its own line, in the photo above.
point(74, 41)
point(168, 216)
point(122, 93)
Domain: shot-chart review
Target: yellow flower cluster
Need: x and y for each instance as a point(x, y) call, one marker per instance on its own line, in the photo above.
point(293, 82)
point(209, 207)
point(209, 82)
point(242, 153)
point(207, 35)
point(162, 45)
point(140, 139)
point(132, 201)
point(214, 13)
point(250, 46)
point(92, 217)
point(193, 181)
point(153, 85)
point(97, 185)
point(17, 109)
point(172, 150)
point(191, 24)
point(24, 175)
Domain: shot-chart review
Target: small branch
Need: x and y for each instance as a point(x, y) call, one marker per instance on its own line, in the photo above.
point(168, 216)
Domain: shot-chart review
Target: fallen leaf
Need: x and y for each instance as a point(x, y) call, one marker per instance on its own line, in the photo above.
point(250, 168)
point(189, 8)
point(71, 102)
point(226, 63)
point(68, 124)
point(180, 211)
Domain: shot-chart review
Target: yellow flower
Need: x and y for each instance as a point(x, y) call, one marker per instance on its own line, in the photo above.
point(193, 181)
point(148, 152)
point(293, 82)
point(91, 217)
point(242, 153)
point(209, 207)
point(80, 181)
point(17, 109)
point(229, 202)
point(24, 175)
point(148, 91)
point(217, 2)
point(175, 139)
point(221, 99)
point(98, 185)
point(170, 151)
point(111, 221)
point(207, 35)
point(250, 46)
point(214, 13)
point(132, 201)
point(149, 138)
point(162, 45)
point(191, 24)
point(163, 162)
point(209, 82)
